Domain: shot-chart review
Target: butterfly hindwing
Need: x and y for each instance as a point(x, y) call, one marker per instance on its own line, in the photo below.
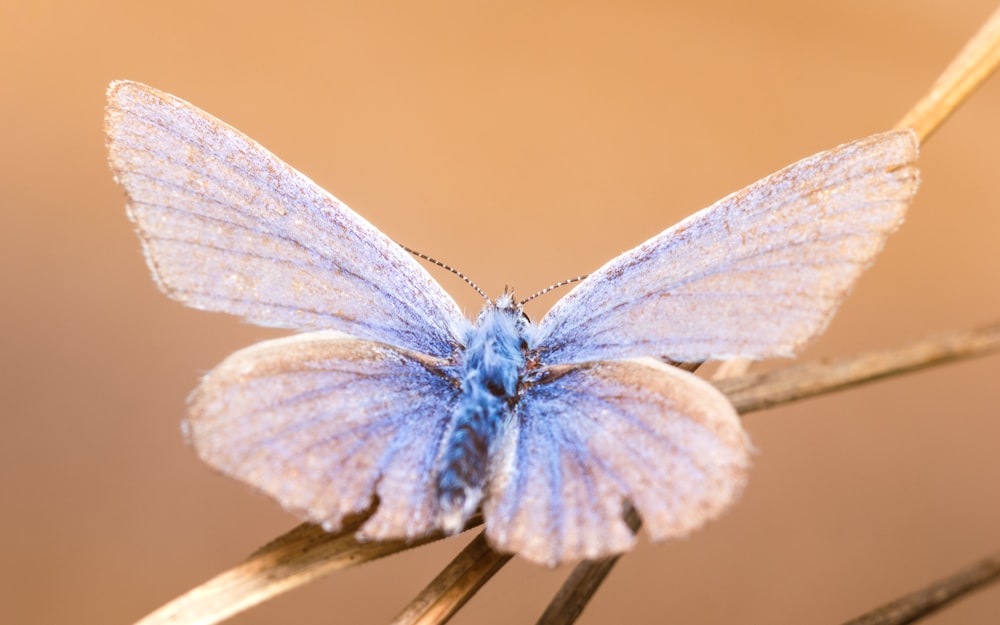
point(598, 436)
point(227, 226)
point(756, 275)
point(324, 423)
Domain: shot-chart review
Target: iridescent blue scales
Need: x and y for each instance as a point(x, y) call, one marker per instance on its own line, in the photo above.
point(491, 371)
point(391, 399)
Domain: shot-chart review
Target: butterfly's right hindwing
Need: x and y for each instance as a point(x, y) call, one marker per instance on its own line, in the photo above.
point(324, 423)
point(602, 435)
point(227, 226)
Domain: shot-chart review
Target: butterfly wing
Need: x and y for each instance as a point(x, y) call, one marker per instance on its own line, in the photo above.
point(227, 226)
point(323, 422)
point(592, 438)
point(758, 274)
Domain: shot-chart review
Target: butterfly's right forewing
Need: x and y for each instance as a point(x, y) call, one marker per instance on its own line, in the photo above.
point(756, 275)
point(324, 423)
point(227, 226)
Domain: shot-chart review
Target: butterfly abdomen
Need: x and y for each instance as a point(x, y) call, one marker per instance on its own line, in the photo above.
point(492, 366)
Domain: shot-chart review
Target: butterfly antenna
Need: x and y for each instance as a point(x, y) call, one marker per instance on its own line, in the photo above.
point(551, 288)
point(447, 267)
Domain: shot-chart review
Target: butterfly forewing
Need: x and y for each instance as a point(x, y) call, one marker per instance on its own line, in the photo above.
point(599, 436)
point(758, 274)
point(323, 423)
point(229, 227)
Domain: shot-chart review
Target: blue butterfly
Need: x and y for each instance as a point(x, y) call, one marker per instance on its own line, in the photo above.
point(391, 397)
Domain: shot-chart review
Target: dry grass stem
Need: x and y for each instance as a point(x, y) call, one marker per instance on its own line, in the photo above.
point(759, 391)
point(974, 64)
point(916, 605)
point(453, 586)
point(289, 561)
point(582, 583)
point(732, 368)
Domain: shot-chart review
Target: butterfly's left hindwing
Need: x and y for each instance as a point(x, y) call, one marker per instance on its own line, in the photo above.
point(604, 434)
point(324, 423)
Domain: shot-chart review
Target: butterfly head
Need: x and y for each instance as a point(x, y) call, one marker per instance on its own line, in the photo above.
point(506, 301)
point(507, 307)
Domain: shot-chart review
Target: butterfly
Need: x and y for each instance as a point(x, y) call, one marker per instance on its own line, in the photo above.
point(392, 399)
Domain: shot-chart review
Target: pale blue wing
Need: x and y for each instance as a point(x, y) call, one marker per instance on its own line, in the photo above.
point(594, 437)
point(227, 226)
point(758, 274)
point(324, 423)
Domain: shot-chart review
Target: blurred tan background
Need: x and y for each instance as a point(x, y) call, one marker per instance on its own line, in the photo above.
point(524, 143)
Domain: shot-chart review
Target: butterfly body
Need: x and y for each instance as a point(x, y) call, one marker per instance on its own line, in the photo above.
point(490, 372)
point(390, 402)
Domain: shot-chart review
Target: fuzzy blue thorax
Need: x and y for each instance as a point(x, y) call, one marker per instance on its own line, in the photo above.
point(491, 367)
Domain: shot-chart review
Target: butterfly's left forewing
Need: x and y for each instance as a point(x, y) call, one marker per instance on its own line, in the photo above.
point(593, 438)
point(324, 423)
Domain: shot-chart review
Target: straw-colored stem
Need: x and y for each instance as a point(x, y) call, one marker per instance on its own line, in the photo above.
point(753, 392)
point(918, 604)
point(582, 583)
point(294, 559)
point(974, 64)
point(453, 586)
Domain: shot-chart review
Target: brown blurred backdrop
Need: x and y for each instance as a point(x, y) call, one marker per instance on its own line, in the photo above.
point(524, 143)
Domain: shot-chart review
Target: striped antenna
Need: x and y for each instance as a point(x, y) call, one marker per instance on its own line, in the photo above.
point(550, 288)
point(448, 267)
